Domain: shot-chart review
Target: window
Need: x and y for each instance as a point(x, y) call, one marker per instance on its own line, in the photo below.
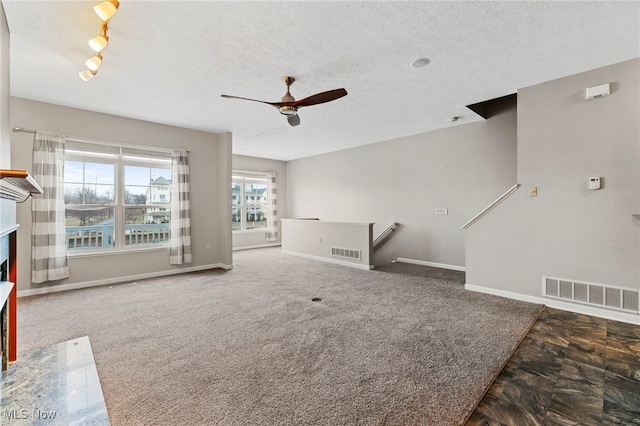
point(115, 197)
point(249, 201)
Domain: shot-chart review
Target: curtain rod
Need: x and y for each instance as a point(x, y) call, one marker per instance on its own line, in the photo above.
point(20, 129)
point(250, 172)
point(23, 130)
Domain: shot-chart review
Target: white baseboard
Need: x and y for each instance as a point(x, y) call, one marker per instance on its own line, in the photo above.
point(257, 246)
point(96, 283)
point(558, 304)
point(433, 264)
point(327, 260)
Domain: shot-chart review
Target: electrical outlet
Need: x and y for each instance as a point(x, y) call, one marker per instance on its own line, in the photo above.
point(207, 246)
point(442, 211)
point(533, 191)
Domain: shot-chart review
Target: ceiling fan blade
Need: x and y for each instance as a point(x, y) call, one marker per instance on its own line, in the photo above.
point(276, 104)
point(320, 98)
point(294, 119)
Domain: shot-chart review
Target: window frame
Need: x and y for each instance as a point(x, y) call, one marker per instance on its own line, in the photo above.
point(242, 177)
point(120, 157)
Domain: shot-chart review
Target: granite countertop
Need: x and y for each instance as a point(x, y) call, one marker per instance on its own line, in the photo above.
point(54, 385)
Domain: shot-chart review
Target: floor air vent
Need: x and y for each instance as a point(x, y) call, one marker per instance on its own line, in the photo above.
point(601, 295)
point(345, 253)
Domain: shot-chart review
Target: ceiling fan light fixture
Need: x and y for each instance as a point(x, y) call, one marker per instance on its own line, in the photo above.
point(87, 75)
point(94, 62)
point(288, 110)
point(106, 9)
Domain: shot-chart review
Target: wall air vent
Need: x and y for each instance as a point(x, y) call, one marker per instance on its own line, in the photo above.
point(601, 295)
point(345, 253)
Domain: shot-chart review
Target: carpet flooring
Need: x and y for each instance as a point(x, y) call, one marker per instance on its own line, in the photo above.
point(280, 340)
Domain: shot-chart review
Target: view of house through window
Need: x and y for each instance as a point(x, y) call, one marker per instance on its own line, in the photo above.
point(248, 201)
point(115, 197)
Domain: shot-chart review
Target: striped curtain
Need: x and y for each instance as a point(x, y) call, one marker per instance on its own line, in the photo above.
point(48, 236)
point(272, 209)
point(180, 239)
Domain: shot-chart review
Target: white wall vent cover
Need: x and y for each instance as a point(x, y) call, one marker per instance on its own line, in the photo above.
point(345, 253)
point(604, 296)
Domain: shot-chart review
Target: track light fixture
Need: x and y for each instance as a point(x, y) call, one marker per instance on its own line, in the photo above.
point(105, 11)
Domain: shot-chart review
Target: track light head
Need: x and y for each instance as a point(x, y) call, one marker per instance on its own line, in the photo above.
point(93, 63)
point(100, 42)
point(87, 75)
point(106, 9)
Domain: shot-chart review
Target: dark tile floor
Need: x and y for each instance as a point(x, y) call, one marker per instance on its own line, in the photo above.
point(570, 369)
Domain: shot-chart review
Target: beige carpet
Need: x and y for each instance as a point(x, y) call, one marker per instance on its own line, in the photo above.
point(401, 345)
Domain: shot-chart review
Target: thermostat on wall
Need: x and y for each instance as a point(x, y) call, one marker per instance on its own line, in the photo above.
point(597, 91)
point(594, 183)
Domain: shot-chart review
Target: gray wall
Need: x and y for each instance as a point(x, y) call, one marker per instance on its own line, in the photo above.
point(462, 168)
point(568, 231)
point(210, 166)
point(250, 239)
point(5, 143)
point(7, 208)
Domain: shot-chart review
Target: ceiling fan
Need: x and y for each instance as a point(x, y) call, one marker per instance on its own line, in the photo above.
point(289, 106)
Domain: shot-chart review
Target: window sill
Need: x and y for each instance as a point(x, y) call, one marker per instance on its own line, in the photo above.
point(94, 253)
point(250, 231)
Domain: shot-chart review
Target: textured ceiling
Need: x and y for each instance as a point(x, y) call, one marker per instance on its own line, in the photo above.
point(168, 62)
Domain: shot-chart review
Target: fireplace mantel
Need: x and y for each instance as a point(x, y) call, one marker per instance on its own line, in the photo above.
point(17, 185)
point(8, 230)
